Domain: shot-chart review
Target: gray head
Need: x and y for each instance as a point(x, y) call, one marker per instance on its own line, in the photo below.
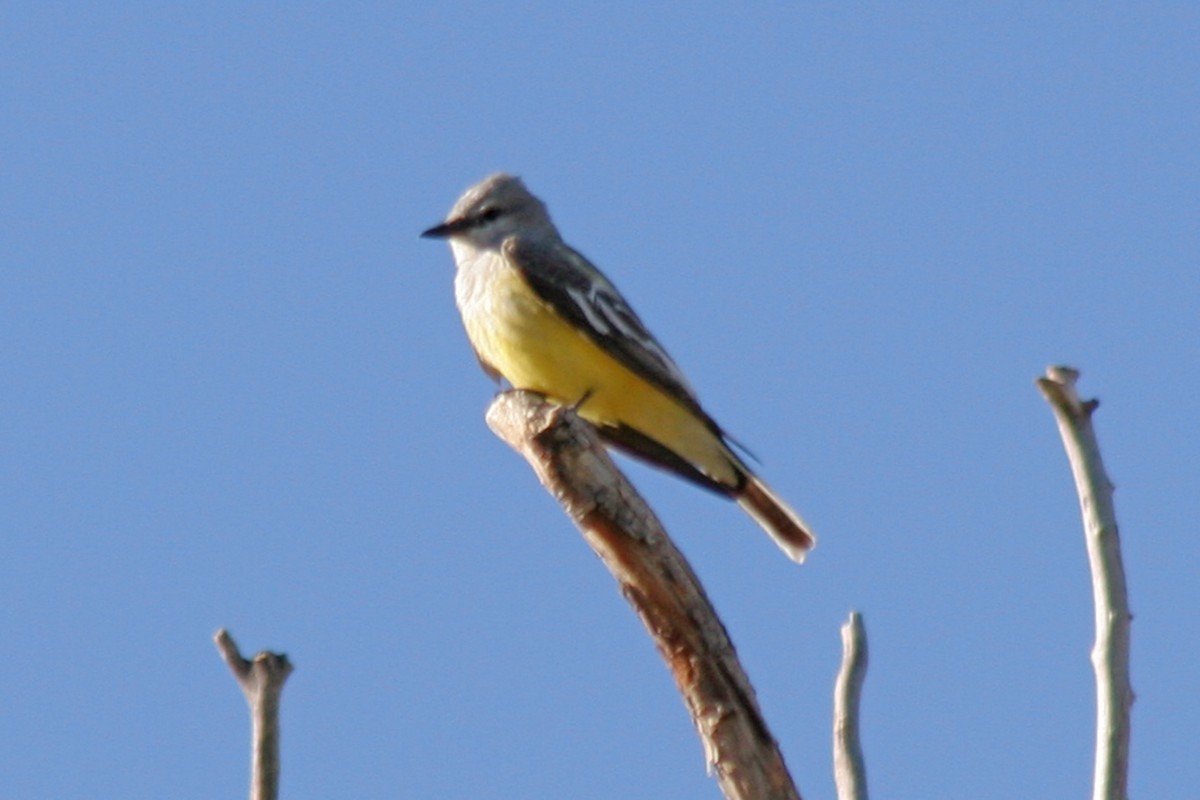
point(491, 211)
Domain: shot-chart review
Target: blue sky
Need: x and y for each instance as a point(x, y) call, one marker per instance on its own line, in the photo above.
point(237, 393)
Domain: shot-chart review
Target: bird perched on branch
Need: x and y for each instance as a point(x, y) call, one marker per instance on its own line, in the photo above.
point(542, 317)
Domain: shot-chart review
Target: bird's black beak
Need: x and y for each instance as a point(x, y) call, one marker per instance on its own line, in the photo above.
point(446, 229)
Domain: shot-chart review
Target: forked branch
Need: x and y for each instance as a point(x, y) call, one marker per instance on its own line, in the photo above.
point(262, 683)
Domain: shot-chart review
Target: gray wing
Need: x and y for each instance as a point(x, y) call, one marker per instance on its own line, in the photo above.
point(580, 293)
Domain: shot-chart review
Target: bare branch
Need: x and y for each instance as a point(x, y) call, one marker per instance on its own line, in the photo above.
point(849, 768)
point(1110, 654)
point(262, 683)
point(572, 464)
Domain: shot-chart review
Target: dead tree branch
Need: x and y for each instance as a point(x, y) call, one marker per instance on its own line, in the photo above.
point(653, 576)
point(262, 683)
point(849, 768)
point(1110, 654)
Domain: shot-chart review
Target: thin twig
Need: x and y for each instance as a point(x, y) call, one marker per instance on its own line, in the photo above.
point(653, 576)
point(1110, 654)
point(262, 683)
point(849, 768)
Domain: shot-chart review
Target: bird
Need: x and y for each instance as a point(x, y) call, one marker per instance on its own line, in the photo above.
point(543, 318)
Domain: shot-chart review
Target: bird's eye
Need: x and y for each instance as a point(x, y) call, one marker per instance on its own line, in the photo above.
point(488, 214)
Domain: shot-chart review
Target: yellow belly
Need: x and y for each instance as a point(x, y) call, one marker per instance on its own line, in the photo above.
point(522, 337)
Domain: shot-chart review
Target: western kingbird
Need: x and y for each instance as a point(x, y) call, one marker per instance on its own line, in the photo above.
point(542, 317)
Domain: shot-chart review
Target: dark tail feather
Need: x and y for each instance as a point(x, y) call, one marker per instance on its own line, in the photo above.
point(784, 525)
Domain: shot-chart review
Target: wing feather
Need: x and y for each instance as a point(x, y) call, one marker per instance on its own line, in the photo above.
point(580, 293)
